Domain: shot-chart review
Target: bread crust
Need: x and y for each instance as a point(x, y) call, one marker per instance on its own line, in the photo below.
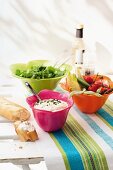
point(13, 111)
point(25, 135)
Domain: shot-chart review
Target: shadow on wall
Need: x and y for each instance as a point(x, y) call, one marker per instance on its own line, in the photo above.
point(40, 33)
point(103, 8)
point(103, 59)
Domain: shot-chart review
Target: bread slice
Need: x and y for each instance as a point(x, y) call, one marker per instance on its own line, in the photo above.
point(26, 131)
point(13, 111)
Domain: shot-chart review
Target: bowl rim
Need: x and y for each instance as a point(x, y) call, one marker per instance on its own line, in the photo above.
point(51, 112)
point(90, 95)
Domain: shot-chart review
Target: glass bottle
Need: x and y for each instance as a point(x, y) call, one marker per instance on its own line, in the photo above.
point(89, 63)
point(79, 63)
point(78, 43)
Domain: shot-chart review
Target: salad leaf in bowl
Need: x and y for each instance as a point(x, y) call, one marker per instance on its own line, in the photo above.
point(40, 74)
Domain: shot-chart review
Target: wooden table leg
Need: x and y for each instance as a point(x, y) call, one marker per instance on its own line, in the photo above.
point(26, 167)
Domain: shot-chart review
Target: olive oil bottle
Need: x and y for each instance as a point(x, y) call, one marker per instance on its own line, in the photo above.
point(78, 44)
point(79, 63)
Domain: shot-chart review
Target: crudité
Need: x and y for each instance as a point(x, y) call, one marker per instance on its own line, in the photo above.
point(88, 84)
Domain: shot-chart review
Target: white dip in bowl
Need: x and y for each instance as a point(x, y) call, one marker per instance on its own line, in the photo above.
point(51, 105)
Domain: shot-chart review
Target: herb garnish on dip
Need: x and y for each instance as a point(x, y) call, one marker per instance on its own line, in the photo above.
point(51, 105)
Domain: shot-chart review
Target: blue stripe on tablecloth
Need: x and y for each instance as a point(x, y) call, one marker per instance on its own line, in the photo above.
point(72, 154)
point(96, 128)
point(106, 116)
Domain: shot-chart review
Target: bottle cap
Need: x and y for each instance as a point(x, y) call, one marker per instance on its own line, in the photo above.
point(79, 30)
point(79, 26)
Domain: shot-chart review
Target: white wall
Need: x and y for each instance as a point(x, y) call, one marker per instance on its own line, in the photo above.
point(31, 29)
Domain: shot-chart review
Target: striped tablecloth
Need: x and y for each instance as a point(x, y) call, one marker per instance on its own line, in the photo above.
point(85, 142)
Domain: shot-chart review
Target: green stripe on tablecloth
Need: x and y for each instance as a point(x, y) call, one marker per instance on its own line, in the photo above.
point(72, 153)
point(97, 129)
point(104, 121)
point(77, 144)
point(109, 106)
point(110, 103)
point(106, 114)
point(66, 162)
point(91, 153)
point(86, 156)
point(108, 109)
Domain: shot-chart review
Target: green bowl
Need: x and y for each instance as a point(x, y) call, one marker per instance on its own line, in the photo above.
point(38, 84)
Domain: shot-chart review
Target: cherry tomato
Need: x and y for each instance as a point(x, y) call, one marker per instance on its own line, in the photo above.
point(99, 83)
point(88, 79)
point(104, 89)
point(93, 87)
point(103, 83)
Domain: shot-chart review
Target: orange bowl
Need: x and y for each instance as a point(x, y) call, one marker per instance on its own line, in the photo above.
point(89, 103)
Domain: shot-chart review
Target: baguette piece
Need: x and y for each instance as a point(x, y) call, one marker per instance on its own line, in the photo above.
point(13, 111)
point(26, 131)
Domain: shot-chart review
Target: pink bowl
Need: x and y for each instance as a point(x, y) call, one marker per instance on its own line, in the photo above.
point(50, 121)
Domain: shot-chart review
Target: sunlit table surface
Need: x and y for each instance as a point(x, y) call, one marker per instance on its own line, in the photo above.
point(11, 149)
